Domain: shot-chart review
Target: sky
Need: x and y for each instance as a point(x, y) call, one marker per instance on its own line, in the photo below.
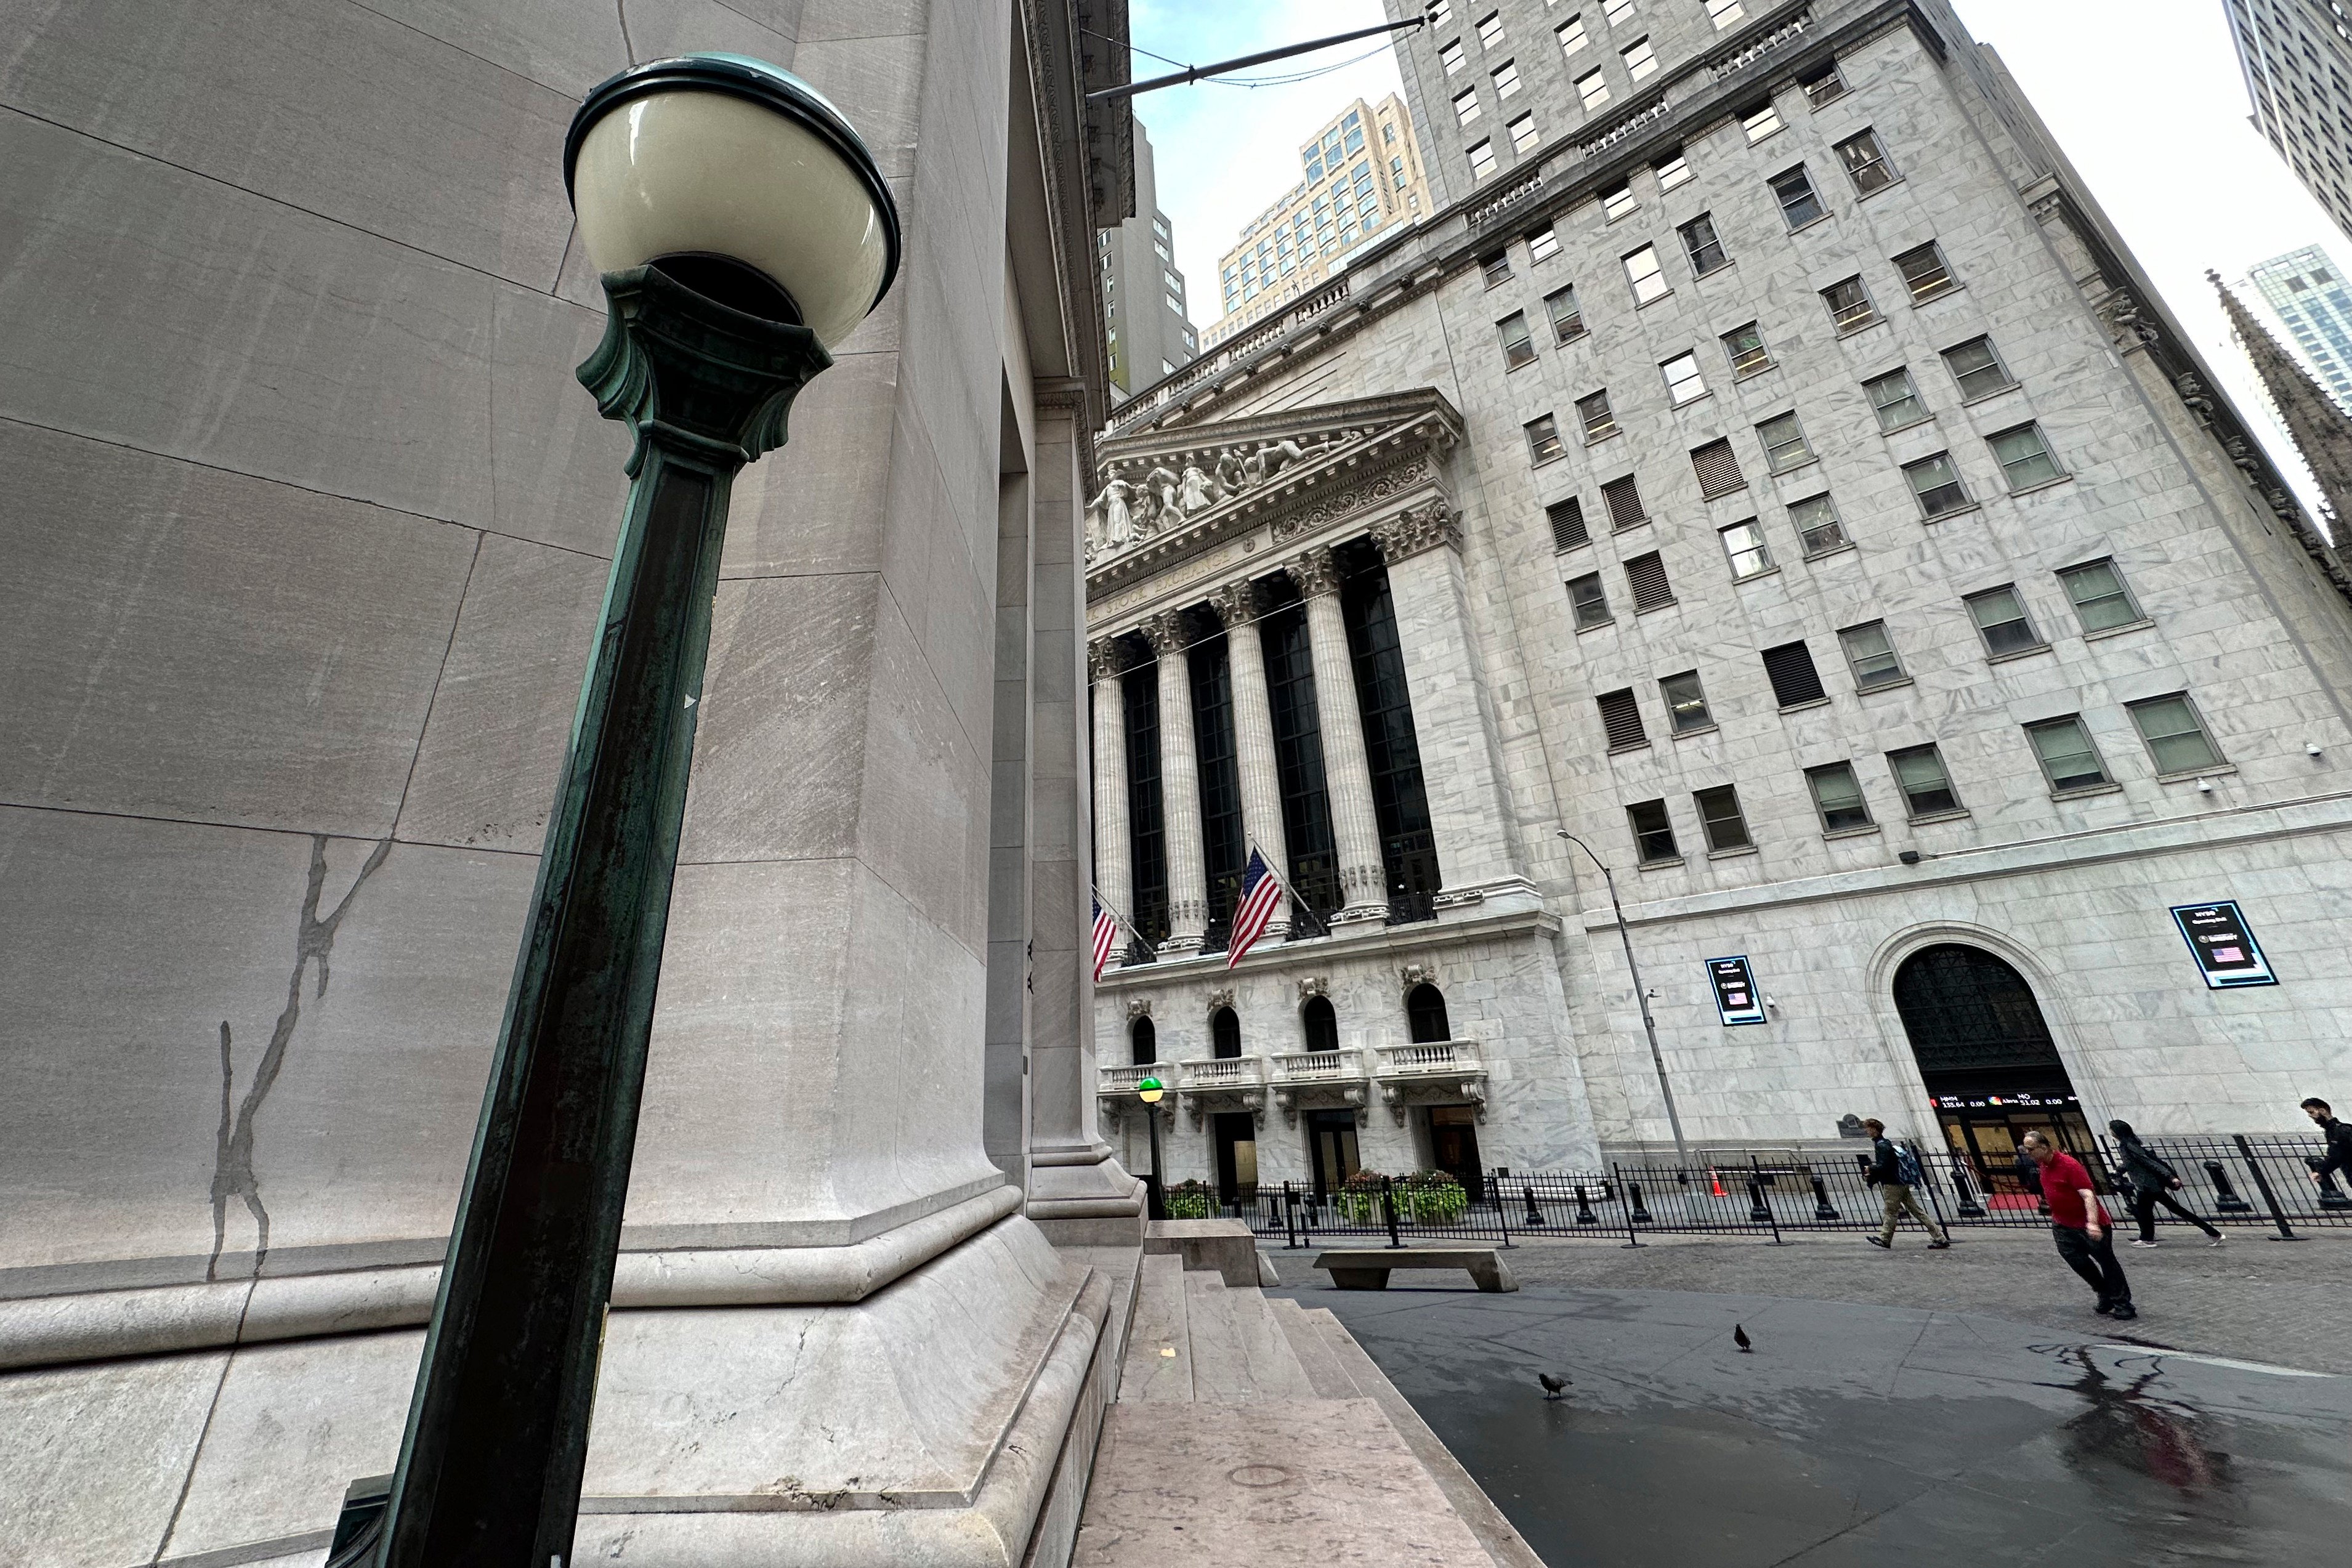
point(2144, 96)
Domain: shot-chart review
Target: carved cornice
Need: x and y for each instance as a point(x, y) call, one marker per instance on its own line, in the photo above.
point(1222, 997)
point(1236, 603)
point(1165, 633)
point(1313, 986)
point(1138, 1007)
point(1313, 571)
point(1105, 660)
point(1405, 477)
point(1414, 976)
point(1418, 529)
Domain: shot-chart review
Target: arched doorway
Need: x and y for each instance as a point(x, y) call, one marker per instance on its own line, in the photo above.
point(1424, 1015)
point(1143, 1041)
point(1992, 1071)
point(1225, 1033)
point(1322, 1024)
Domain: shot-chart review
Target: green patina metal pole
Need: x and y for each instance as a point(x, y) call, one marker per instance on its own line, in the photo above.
point(490, 1464)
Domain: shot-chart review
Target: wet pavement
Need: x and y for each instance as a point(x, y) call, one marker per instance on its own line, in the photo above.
point(1859, 1434)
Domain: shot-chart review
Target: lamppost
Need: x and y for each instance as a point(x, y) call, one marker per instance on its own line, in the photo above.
point(1641, 997)
point(1148, 1090)
point(740, 227)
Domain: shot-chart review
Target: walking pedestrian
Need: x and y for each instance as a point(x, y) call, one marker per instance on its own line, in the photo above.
point(2080, 1226)
point(2152, 1182)
point(1897, 1174)
point(2340, 1141)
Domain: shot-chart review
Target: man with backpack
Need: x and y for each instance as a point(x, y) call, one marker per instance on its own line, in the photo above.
point(1895, 1173)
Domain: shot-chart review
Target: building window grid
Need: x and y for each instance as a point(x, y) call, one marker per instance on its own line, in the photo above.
point(1702, 245)
point(1718, 467)
point(1641, 60)
point(1838, 798)
point(1935, 484)
point(1870, 655)
point(1724, 13)
point(1924, 272)
point(1618, 202)
point(1976, 368)
point(2175, 736)
point(1686, 701)
point(1924, 782)
point(1543, 244)
point(1506, 77)
point(1672, 171)
point(1799, 202)
point(1592, 89)
point(1645, 577)
point(1795, 682)
point(1593, 411)
point(1745, 346)
point(1589, 602)
point(1524, 134)
point(1684, 382)
point(1568, 527)
point(1866, 162)
point(1896, 400)
point(1744, 547)
point(2001, 621)
point(1647, 278)
point(1825, 87)
point(1496, 268)
point(1466, 106)
point(1653, 833)
point(1760, 122)
point(1482, 159)
point(2101, 600)
point(1720, 819)
point(1543, 439)
point(1850, 305)
point(1519, 347)
point(1571, 34)
point(1567, 320)
point(2024, 456)
point(2069, 758)
point(1620, 720)
point(1623, 500)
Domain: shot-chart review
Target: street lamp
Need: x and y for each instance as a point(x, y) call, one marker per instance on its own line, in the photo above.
point(1641, 997)
point(1148, 1090)
point(740, 228)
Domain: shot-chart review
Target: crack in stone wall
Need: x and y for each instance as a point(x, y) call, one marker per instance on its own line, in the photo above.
point(232, 1170)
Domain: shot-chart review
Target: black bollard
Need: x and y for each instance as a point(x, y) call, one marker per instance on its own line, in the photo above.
point(2331, 1196)
point(1969, 1207)
point(1823, 1208)
point(2225, 1197)
point(1640, 1214)
point(1584, 1214)
point(1757, 1212)
point(1535, 1214)
point(1388, 1203)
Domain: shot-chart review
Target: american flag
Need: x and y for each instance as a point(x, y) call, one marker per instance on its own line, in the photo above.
point(1106, 937)
point(1261, 895)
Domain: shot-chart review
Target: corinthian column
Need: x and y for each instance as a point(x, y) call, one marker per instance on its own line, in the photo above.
point(1261, 779)
point(1347, 771)
point(1179, 788)
point(1114, 875)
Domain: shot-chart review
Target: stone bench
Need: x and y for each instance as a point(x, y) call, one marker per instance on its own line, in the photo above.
point(1367, 1269)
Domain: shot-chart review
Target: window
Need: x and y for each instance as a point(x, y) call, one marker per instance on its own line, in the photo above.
point(1622, 499)
point(1450, 57)
point(1824, 86)
point(1794, 189)
point(1870, 654)
point(1646, 575)
point(1672, 170)
point(1567, 519)
point(1837, 796)
point(1543, 439)
point(1599, 422)
point(2001, 621)
point(1718, 814)
point(1978, 369)
point(2024, 456)
point(1700, 244)
point(1482, 159)
point(1760, 121)
point(1866, 162)
point(1490, 29)
point(1743, 543)
point(1937, 484)
point(1523, 132)
point(1784, 443)
point(1745, 345)
point(1466, 106)
point(1924, 270)
point(1920, 775)
point(1896, 400)
point(1718, 470)
point(1518, 348)
point(1795, 681)
point(1543, 244)
point(2176, 743)
point(1507, 80)
point(1621, 717)
point(1592, 88)
point(1654, 835)
point(1684, 383)
point(1686, 703)
point(1588, 602)
point(1567, 320)
point(1617, 10)
point(1642, 272)
point(1817, 524)
point(1495, 269)
point(1617, 201)
point(2069, 760)
point(2101, 601)
point(1850, 305)
point(1441, 12)
point(1641, 60)
point(1723, 13)
point(1571, 34)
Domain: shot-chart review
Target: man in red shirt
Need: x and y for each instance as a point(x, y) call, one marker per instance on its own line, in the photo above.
point(2079, 1226)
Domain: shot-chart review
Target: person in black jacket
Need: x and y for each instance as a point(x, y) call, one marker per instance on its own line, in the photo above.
point(2340, 1141)
point(2152, 1182)
point(1884, 1171)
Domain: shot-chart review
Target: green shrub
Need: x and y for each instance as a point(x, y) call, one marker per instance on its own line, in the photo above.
point(1192, 1199)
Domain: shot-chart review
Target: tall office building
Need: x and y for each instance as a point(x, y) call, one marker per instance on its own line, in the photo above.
point(2307, 292)
point(1363, 176)
point(1770, 469)
point(2297, 55)
point(1145, 315)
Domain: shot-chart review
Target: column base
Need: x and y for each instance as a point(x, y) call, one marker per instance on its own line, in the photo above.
point(1180, 945)
point(1084, 1197)
point(1360, 914)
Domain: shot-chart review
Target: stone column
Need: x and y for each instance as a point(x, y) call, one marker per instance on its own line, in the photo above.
point(1470, 808)
point(1114, 869)
point(1179, 788)
point(1261, 780)
point(1347, 771)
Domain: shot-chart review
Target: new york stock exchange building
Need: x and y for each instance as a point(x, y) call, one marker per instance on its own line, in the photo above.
point(1783, 481)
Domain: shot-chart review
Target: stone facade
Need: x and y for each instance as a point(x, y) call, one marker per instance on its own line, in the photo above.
point(2089, 438)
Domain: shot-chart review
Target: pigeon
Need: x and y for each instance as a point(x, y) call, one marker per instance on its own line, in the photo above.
point(1554, 1387)
point(1739, 1337)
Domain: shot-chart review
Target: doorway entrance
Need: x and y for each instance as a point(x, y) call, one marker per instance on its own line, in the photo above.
point(1454, 1146)
point(1236, 1136)
point(1991, 1069)
point(1331, 1147)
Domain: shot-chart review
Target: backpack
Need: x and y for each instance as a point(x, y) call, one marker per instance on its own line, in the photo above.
point(1907, 1167)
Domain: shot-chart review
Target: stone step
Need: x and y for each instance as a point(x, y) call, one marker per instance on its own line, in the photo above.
point(1239, 1354)
point(1158, 1366)
point(1322, 1368)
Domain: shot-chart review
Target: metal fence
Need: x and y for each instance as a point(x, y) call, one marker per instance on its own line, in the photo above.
point(2241, 1181)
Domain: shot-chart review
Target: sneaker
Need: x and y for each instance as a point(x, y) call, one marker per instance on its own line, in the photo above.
point(2217, 1241)
point(1879, 1241)
point(2123, 1311)
point(1940, 1245)
point(2142, 1243)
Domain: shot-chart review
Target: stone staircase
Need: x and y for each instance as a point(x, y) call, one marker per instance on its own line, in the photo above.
point(1252, 1430)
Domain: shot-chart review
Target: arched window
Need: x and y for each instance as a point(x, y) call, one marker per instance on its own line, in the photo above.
point(1225, 1033)
point(1969, 1012)
point(1322, 1024)
point(1144, 1040)
point(1424, 1013)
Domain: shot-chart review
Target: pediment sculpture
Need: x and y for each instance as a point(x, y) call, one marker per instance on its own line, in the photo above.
point(1149, 495)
